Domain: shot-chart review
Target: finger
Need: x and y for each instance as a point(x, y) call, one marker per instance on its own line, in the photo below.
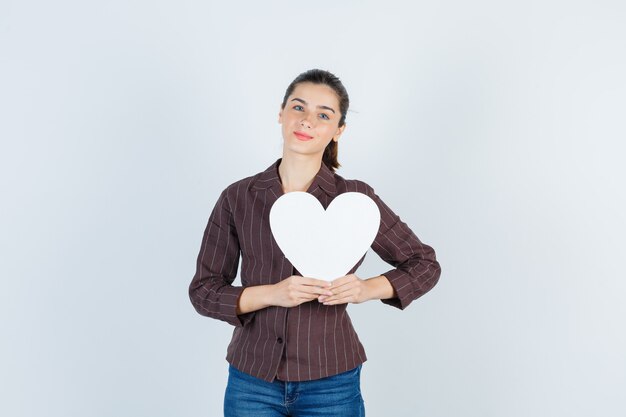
point(304, 296)
point(346, 291)
point(346, 286)
point(343, 280)
point(315, 282)
point(343, 300)
point(336, 296)
point(317, 291)
point(338, 289)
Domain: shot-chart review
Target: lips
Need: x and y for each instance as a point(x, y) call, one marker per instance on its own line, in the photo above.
point(302, 135)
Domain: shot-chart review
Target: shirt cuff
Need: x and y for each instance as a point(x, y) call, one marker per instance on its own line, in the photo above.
point(228, 307)
point(402, 284)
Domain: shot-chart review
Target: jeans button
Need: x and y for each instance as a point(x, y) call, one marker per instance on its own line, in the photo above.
point(279, 340)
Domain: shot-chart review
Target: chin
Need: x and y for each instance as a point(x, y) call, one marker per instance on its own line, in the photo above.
point(300, 150)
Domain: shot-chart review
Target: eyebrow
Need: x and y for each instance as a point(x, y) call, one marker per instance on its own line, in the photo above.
point(320, 107)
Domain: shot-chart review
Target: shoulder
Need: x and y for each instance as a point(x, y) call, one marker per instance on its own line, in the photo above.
point(242, 184)
point(360, 186)
point(345, 185)
point(236, 190)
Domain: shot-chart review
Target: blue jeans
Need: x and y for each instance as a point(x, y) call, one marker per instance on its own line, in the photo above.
point(337, 395)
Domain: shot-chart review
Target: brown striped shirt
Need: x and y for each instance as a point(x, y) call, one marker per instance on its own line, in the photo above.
point(309, 341)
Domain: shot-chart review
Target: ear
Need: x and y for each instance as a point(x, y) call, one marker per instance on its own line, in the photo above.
point(280, 113)
point(339, 132)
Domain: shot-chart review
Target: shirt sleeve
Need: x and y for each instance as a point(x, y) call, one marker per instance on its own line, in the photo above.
point(210, 291)
point(416, 270)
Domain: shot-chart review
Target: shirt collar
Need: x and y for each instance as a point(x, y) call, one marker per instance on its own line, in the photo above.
point(269, 179)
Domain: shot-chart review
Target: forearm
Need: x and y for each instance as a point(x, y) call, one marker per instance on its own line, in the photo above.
point(254, 298)
point(379, 288)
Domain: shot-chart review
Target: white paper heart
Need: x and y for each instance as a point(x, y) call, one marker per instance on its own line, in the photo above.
point(324, 244)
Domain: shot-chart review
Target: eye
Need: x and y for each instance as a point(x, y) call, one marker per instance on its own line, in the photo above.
point(297, 105)
point(325, 116)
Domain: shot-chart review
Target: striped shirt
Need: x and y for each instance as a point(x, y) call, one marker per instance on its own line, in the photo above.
point(311, 340)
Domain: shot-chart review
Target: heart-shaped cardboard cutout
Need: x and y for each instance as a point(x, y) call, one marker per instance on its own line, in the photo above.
point(324, 244)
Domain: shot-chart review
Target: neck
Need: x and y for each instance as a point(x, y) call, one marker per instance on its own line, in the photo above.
point(298, 171)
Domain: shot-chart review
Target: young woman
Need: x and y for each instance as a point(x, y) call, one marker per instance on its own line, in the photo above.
point(294, 351)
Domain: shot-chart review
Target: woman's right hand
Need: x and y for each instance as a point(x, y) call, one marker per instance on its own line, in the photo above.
point(296, 289)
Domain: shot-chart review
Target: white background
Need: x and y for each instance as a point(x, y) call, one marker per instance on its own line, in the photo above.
point(494, 129)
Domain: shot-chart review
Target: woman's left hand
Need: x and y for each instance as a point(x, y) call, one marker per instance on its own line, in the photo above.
point(347, 289)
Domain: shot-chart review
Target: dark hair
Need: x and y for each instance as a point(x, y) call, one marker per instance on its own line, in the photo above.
point(318, 76)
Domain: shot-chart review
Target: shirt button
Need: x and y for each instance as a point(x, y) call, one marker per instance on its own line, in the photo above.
point(279, 340)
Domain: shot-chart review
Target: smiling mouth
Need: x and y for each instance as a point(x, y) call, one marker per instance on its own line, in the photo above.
point(303, 136)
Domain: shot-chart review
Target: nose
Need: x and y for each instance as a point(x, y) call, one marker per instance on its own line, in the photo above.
point(305, 122)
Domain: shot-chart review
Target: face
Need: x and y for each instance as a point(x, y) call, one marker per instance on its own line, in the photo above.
point(313, 111)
